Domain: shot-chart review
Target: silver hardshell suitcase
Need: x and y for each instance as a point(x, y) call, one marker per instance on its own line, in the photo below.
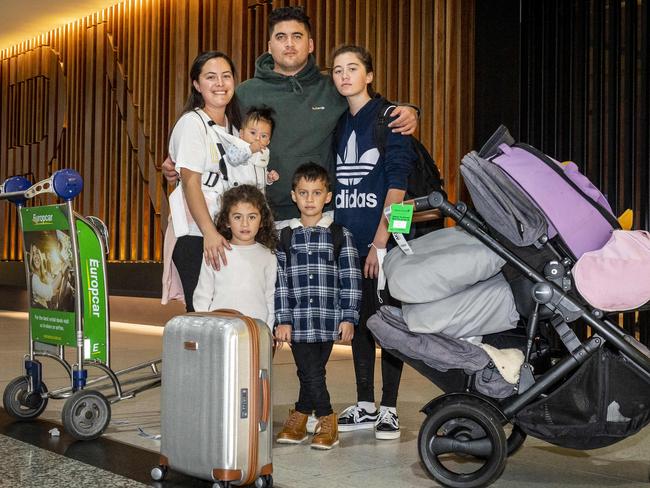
point(216, 398)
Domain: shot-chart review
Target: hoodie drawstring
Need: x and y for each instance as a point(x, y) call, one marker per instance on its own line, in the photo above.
point(296, 87)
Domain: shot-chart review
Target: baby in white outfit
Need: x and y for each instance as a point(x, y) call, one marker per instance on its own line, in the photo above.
point(251, 151)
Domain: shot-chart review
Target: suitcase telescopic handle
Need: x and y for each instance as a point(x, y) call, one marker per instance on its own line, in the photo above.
point(265, 387)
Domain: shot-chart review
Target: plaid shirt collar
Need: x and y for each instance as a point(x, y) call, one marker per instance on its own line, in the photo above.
point(325, 222)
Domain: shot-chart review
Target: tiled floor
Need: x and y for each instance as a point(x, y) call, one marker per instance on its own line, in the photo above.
point(29, 466)
point(124, 456)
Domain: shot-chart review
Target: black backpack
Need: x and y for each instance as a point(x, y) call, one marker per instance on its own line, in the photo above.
point(337, 239)
point(425, 176)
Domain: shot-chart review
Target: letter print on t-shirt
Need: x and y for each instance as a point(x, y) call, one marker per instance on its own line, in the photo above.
point(351, 170)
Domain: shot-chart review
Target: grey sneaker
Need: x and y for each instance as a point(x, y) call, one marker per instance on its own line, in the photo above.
point(387, 425)
point(356, 418)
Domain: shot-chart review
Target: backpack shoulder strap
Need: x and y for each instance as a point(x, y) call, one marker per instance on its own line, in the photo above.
point(285, 239)
point(337, 239)
point(205, 125)
point(381, 129)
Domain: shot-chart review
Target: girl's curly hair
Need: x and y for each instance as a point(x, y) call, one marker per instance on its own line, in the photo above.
point(266, 235)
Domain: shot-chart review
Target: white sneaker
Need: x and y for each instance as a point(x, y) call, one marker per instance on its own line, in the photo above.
point(312, 422)
point(356, 418)
point(387, 425)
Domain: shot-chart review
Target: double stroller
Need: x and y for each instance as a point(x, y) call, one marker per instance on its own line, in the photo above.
point(538, 217)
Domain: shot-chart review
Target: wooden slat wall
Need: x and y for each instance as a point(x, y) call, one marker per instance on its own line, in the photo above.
point(101, 94)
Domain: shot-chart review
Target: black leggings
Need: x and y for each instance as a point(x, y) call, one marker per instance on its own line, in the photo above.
point(363, 350)
point(188, 257)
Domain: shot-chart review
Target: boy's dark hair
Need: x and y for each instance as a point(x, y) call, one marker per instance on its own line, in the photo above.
point(283, 14)
point(266, 235)
point(262, 113)
point(310, 172)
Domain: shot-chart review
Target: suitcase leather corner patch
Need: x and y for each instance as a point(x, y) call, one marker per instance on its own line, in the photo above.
point(191, 345)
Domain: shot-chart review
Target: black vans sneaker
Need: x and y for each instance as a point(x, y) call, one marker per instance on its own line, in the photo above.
point(356, 418)
point(387, 425)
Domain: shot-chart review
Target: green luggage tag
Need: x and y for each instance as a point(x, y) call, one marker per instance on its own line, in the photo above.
point(399, 238)
point(401, 217)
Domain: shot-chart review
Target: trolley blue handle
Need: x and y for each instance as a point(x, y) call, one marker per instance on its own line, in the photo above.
point(14, 189)
point(65, 183)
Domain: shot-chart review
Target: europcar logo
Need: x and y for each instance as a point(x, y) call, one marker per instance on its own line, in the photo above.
point(42, 219)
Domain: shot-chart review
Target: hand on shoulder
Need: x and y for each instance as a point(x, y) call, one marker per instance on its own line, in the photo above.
point(168, 169)
point(406, 121)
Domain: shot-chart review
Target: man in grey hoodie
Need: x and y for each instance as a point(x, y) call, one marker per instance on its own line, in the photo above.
point(305, 101)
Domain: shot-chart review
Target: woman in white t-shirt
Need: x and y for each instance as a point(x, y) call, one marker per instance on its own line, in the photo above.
point(196, 147)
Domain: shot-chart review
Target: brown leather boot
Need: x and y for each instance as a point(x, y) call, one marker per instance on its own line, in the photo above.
point(327, 433)
point(295, 428)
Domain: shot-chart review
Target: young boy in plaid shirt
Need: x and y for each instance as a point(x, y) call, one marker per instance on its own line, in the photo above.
point(317, 297)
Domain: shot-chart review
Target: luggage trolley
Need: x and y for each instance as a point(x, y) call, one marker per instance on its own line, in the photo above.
point(68, 307)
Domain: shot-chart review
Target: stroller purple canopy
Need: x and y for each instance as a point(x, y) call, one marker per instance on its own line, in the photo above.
point(576, 211)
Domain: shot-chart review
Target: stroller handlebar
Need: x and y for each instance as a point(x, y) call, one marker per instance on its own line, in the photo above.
point(437, 200)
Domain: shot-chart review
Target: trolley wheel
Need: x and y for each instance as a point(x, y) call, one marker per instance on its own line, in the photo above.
point(471, 430)
point(86, 415)
point(159, 473)
point(21, 404)
point(265, 481)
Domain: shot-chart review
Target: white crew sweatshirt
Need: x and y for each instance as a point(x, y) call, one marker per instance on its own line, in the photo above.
point(246, 283)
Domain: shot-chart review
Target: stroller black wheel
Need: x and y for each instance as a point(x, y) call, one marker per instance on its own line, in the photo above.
point(462, 444)
point(465, 429)
point(515, 439)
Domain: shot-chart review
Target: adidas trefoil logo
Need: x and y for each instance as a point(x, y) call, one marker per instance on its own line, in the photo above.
point(351, 170)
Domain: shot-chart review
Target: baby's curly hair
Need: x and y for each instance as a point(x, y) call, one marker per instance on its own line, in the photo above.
point(266, 235)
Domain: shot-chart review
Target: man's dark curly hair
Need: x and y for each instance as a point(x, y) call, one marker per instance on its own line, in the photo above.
point(266, 235)
point(283, 14)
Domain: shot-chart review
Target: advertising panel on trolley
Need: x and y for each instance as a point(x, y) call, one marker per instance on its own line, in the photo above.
point(50, 256)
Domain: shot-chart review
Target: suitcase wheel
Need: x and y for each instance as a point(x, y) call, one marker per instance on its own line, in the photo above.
point(158, 473)
point(265, 481)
